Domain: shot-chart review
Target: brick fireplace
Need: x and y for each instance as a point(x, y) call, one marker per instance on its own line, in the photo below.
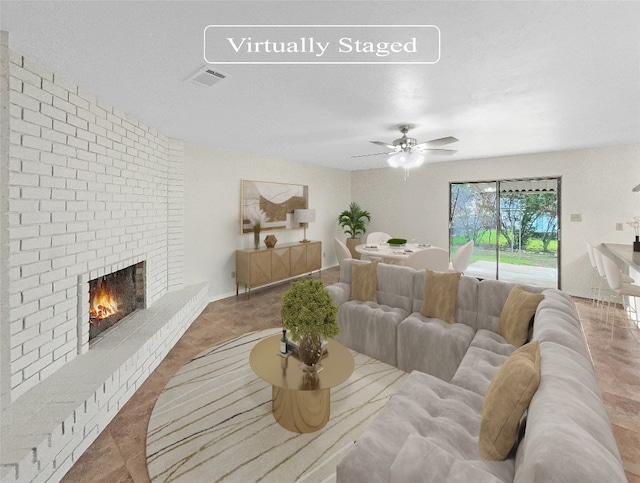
point(91, 191)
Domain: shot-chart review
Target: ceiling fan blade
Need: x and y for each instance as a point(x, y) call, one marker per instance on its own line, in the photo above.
point(386, 145)
point(439, 151)
point(438, 142)
point(372, 154)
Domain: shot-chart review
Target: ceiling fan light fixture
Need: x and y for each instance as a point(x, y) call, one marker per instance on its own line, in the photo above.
point(416, 159)
point(405, 160)
point(396, 159)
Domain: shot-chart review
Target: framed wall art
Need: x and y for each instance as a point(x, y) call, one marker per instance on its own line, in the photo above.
point(272, 203)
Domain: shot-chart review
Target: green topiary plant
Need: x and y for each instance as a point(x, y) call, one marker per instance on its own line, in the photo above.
point(308, 308)
point(354, 220)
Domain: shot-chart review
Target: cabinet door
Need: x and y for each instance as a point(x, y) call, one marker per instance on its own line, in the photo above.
point(260, 268)
point(298, 259)
point(280, 263)
point(314, 257)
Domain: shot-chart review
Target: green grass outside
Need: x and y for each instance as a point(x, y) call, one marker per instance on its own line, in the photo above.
point(531, 255)
point(489, 239)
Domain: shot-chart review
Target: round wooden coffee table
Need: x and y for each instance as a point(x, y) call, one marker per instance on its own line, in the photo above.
point(300, 403)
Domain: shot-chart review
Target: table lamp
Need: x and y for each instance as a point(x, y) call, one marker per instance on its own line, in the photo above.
point(304, 217)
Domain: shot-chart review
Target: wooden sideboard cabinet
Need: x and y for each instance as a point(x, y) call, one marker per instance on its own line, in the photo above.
point(267, 265)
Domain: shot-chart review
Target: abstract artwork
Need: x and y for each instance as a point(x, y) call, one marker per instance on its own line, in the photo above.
point(276, 200)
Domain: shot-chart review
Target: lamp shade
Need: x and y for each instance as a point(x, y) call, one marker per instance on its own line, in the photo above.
point(304, 216)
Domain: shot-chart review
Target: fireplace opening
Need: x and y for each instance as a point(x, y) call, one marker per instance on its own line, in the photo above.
point(114, 296)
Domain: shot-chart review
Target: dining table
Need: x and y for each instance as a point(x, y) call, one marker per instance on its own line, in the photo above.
point(392, 254)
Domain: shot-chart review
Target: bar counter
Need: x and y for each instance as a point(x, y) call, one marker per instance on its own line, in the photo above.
point(626, 255)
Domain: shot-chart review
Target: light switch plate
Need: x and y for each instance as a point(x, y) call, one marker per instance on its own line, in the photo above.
point(619, 226)
point(576, 217)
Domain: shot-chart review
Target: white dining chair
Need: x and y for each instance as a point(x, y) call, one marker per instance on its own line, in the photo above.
point(433, 258)
point(377, 237)
point(622, 292)
point(462, 258)
point(342, 251)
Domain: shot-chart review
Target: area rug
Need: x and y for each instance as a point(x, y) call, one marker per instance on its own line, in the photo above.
point(213, 421)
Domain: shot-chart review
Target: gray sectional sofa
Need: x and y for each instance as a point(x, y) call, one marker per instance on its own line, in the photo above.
point(428, 431)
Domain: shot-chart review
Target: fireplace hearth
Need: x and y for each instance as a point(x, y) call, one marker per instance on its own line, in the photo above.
point(114, 296)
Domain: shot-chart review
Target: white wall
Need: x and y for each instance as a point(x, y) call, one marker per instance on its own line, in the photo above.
point(213, 179)
point(596, 183)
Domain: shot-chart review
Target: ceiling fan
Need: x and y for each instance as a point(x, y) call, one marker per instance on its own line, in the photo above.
point(407, 153)
point(409, 145)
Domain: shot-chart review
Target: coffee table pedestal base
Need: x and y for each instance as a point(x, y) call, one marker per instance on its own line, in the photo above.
point(301, 411)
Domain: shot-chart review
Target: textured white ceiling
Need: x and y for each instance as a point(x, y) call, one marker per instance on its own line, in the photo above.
point(514, 77)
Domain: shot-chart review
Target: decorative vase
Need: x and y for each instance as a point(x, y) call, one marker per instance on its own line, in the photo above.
point(270, 241)
point(256, 236)
point(310, 381)
point(310, 351)
point(636, 244)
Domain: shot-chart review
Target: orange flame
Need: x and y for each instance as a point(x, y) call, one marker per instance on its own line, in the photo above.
point(102, 305)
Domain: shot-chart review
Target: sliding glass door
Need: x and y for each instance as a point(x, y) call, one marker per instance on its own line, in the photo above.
point(474, 216)
point(514, 224)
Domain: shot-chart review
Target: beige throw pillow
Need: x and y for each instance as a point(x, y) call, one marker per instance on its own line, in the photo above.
point(507, 398)
point(364, 281)
point(440, 295)
point(520, 306)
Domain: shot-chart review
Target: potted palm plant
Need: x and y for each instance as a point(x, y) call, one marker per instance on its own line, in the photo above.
point(354, 223)
point(309, 313)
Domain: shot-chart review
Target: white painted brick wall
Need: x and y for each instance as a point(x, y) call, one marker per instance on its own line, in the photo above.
point(90, 190)
point(175, 248)
point(89, 187)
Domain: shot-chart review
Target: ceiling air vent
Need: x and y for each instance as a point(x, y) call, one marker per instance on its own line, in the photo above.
point(207, 77)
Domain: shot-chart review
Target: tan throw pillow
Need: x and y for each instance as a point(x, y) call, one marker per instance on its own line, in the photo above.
point(520, 306)
point(507, 398)
point(440, 295)
point(364, 281)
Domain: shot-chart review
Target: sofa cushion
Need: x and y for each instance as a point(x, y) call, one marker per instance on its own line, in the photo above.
point(561, 323)
point(486, 354)
point(493, 342)
point(364, 281)
point(507, 398)
point(425, 407)
point(518, 310)
point(440, 295)
point(395, 286)
point(492, 295)
point(422, 458)
point(370, 329)
point(432, 345)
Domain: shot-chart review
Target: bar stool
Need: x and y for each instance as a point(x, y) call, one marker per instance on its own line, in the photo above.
point(621, 291)
point(605, 289)
point(596, 280)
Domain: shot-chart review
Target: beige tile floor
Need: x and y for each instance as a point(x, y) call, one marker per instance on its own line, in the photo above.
point(118, 455)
